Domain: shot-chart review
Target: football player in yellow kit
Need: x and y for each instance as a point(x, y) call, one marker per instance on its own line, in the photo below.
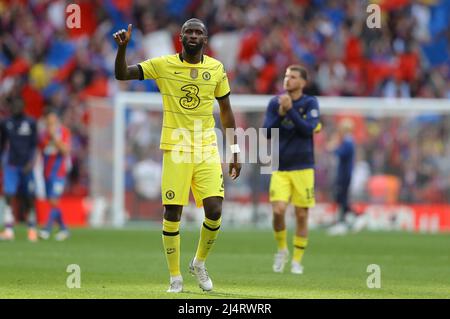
point(189, 83)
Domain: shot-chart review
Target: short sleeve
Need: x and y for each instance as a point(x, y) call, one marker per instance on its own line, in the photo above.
point(223, 87)
point(149, 69)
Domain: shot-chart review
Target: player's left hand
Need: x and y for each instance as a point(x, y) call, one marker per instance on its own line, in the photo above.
point(122, 37)
point(234, 169)
point(285, 102)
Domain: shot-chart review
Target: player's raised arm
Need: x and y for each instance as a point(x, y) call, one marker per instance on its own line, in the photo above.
point(227, 120)
point(122, 70)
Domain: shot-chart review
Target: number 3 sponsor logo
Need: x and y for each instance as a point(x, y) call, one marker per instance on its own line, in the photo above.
point(191, 100)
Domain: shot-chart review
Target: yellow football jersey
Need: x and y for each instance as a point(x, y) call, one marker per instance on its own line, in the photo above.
point(188, 92)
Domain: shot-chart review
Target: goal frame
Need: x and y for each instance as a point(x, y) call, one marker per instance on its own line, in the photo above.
point(372, 106)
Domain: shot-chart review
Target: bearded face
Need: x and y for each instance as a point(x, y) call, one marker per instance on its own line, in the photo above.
point(193, 37)
point(192, 47)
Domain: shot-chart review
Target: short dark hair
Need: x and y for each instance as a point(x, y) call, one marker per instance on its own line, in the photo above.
point(300, 69)
point(50, 110)
point(194, 20)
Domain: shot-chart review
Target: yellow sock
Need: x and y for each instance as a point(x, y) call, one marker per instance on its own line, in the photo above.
point(208, 235)
point(281, 239)
point(171, 243)
point(300, 244)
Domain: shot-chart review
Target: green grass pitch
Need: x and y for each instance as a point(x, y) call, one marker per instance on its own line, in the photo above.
point(130, 263)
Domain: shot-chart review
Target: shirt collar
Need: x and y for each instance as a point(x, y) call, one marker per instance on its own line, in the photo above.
point(182, 60)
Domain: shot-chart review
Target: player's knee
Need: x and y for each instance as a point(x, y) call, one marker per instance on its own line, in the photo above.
point(279, 209)
point(172, 212)
point(213, 207)
point(302, 215)
point(213, 211)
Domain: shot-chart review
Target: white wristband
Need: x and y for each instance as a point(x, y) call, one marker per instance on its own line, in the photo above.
point(235, 148)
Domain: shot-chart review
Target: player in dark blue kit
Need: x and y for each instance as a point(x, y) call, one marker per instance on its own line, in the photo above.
point(343, 146)
point(296, 115)
point(18, 150)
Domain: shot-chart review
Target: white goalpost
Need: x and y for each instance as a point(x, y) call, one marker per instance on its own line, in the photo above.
point(115, 127)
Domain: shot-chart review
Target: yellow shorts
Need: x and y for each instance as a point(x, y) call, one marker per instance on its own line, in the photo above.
point(181, 172)
point(296, 186)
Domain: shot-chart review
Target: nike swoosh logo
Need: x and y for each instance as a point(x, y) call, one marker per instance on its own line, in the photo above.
point(178, 72)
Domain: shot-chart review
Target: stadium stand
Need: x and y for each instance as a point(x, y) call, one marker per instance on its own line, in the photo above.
point(47, 64)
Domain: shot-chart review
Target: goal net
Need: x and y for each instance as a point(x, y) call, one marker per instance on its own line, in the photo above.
point(402, 151)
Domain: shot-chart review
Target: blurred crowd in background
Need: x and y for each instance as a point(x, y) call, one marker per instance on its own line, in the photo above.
point(397, 159)
point(50, 65)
